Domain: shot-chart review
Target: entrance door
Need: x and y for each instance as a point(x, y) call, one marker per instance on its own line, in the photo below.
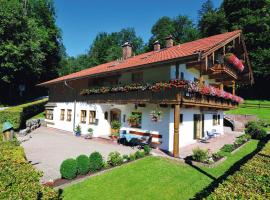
point(115, 115)
point(198, 126)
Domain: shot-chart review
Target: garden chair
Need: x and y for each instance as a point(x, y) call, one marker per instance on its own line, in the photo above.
point(146, 140)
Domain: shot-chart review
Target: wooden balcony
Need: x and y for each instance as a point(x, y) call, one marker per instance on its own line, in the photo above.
point(167, 96)
point(221, 72)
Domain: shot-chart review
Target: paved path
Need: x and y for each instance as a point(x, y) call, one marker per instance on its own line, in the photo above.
point(47, 148)
point(213, 144)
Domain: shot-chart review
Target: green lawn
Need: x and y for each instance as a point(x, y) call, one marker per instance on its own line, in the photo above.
point(152, 178)
point(262, 113)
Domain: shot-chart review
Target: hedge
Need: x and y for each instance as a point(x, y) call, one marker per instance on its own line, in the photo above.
point(252, 181)
point(18, 115)
point(18, 178)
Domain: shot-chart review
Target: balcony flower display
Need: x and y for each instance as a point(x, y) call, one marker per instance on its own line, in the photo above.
point(189, 86)
point(233, 60)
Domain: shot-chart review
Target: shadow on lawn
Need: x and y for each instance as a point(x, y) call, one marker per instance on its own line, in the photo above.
point(235, 167)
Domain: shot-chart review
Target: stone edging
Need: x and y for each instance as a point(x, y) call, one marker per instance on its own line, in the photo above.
point(237, 149)
point(78, 180)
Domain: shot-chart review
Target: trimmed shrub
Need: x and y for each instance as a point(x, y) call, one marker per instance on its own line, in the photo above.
point(227, 148)
point(95, 161)
point(18, 115)
point(83, 164)
point(125, 158)
point(69, 169)
point(199, 154)
point(255, 130)
point(132, 157)
point(115, 159)
point(139, 154)
point(18, 178)
point(147, 149)
point(250, 182)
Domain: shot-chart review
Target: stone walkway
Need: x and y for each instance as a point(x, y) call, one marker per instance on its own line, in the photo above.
point(46, 148)
point(213, 144)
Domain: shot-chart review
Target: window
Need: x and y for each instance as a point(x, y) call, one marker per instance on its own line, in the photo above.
point(124, 118)
point(218, 119)
point(49, 114)
point(69, 113)
point(181, 118)
point(92, 117)
point(138, 123)
point(83, 116)
point(137, 77)
point(106, 115)
point(62, 115)
point(215, 120)
point(182, 76)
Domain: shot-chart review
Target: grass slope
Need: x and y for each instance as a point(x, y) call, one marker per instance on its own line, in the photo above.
point(152, 178)
point(262, 113)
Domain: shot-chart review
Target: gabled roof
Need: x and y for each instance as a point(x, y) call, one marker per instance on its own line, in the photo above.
point(166, 54)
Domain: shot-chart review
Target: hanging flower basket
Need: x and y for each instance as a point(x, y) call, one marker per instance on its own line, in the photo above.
point(233, 60)
point(156, 115)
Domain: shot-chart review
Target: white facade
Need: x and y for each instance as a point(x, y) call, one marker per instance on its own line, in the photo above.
point(165, 127)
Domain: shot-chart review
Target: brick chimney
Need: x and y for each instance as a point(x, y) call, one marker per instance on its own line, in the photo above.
point(169, 41)
point(127, 50)
point(156, 45)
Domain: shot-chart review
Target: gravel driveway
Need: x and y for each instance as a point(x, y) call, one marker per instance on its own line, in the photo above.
point(47, 148)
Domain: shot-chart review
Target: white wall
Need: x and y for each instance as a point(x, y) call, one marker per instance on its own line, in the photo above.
point(165, 127)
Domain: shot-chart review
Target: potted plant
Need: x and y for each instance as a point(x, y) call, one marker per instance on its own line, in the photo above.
point(115, 127)
point(134, 120)
point(233, 60)
point(90, 134)
point(156, 115)
point(78, 130)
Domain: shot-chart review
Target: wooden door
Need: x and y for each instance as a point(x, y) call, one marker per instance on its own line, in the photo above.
point(198, 126)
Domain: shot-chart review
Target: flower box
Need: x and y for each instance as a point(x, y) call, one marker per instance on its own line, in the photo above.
point(233, 60)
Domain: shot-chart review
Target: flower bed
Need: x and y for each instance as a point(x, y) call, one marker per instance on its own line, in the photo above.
point(250, 182)
point(188, 86)
point(82, 166)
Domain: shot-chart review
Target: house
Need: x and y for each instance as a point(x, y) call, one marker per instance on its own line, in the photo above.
point(175, 93)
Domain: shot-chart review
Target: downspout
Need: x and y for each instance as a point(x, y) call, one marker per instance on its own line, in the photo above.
point(74, 94)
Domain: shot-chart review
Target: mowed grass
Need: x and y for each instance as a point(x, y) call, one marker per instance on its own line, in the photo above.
point(261, 113)
point(152, 178)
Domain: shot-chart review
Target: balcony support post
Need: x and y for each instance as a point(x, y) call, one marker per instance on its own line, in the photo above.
point(233, 87)
point(176, 126)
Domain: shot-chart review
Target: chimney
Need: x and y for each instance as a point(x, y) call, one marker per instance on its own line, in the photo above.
point(169, 41)
point(127, 50)
point(156, 45)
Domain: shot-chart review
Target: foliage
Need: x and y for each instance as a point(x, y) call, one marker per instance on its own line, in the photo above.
point(250, 182)
point(125, 158)
point(217, 155)
point(69, 168)
point(139, 154)
point(256, 131)
point(227, 148)
point(90, 130)
point(147, 149)
point(115, 124)
point(181, 28)
point(132, 157)
point(18, 178)
point(115, 159)
point(83, 164)
point(18, 115)
point(172, 174)
point(95, 161)
point(29, 46)
point(78, 129)
point(199, 154)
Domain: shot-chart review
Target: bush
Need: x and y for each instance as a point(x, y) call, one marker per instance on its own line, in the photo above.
point(199, 154)
point(115, 159)
point(132, 157)
point(95, 161)
point(18, 115)
point(18, 178)
point(147, 149)
point(227, 148)
point(255, 130)
point(250, 182)
point(69, 169)
point(218, 155)
point(139, 154)
point(83, 164)
point(125, 158)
